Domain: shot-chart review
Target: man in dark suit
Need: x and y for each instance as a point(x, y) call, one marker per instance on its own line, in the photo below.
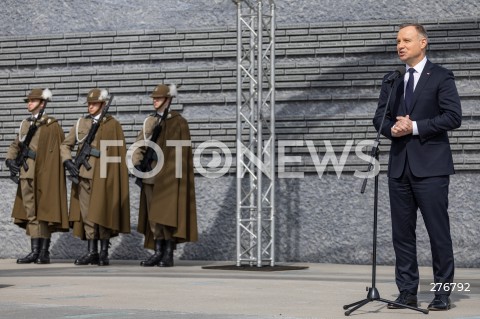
point(423, 107)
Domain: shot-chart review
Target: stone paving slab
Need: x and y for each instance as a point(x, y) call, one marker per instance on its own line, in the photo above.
point(126, 290)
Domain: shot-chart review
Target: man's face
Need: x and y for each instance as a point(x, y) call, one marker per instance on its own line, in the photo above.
point(158, 102)
point(94, 108)
point(410, 46)
point(33, 105)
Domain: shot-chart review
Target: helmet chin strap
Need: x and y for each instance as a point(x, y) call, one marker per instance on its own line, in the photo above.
point(37, 108)
point(169, 100)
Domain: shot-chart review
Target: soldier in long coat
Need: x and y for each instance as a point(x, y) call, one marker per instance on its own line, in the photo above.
point(99, 204)
point(41, 201)
point(167, 212)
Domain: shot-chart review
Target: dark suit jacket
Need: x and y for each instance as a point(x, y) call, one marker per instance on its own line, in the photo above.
point(436, 108)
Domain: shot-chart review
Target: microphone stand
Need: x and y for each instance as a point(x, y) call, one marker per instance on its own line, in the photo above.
point(373, 294)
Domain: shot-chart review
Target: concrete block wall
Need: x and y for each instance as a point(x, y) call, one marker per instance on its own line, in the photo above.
point(331, 73)
point(328, 79)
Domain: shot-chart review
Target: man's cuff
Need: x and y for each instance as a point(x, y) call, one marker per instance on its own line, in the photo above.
point(414, 128)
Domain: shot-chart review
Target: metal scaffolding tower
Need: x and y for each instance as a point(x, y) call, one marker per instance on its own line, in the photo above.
point(255, 132)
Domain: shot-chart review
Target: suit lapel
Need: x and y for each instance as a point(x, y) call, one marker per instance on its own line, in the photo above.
point(424, 77)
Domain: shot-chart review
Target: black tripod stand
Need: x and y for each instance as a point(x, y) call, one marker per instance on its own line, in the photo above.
point(373, 294)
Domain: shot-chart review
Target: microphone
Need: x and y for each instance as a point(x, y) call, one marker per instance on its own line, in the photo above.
point(400, 71)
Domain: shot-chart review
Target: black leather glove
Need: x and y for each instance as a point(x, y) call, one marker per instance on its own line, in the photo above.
point(12, 166)
point(70, 166)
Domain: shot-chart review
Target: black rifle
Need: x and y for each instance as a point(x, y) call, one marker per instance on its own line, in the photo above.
point(25, 151)
point(86, 151)
point(150, 155)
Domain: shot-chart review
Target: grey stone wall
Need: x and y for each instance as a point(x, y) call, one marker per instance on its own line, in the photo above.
point(44, 17)
point(331, 56)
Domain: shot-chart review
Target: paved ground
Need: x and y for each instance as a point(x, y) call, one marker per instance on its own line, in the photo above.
point(125, 290)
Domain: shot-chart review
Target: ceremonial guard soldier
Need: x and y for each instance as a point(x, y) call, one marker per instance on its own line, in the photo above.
point(167, 212)
point(41, 201)
point(99, 205)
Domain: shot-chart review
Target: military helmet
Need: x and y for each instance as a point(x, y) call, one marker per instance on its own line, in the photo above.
point(97, 95)
point(163, 90)
point(39, 94)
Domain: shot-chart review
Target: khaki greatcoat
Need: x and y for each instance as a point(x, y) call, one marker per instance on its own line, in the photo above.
point(173, 201)
point(109, 202)
point(48, 174)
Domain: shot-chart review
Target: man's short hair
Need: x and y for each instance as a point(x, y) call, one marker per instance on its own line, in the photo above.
point(420, 29)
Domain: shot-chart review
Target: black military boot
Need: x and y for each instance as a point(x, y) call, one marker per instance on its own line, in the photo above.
point(91, 258)
point(44, 256)
point(167, 260)
point(33, 255)
point(103, 257)
point(155, 259)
